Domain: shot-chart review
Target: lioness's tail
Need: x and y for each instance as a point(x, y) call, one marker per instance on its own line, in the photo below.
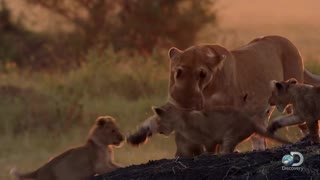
point(267, 134)
point(30, 175)
point(146, 130)
point(310, 78)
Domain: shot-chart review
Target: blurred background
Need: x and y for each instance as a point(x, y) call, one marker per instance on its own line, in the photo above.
point(65, 62)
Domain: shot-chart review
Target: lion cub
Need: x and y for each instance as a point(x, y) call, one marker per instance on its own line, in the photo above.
point(94, 157)
point(223, 126)
point(305, 102)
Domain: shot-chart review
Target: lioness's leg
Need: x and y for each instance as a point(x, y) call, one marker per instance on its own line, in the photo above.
point(314, 131)
point(284, 121)
point(186, 148)
point(228, 145)
point(212, 148)
point(258, 142)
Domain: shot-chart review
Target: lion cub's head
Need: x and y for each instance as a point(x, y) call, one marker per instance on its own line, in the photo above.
point(281, 96)
point(106, 132)
point(166, 118)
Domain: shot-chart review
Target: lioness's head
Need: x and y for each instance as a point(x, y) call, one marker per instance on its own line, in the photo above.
point(191, 71)
point(106, 132)
point(166, 120)
point(281, 96)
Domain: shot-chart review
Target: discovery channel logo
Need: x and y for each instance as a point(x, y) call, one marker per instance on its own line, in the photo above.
point(291, 163)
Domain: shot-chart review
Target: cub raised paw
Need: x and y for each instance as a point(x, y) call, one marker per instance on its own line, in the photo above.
point(305, 103)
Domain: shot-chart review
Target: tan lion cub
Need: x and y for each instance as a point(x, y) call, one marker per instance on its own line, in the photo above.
point(305, 102)
point(223, 126)
point(94, 157)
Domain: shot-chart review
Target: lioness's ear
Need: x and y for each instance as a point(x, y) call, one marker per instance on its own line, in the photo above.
point(222, 58)
point(292, 81)
point(219, 51)
point(158, 111)
point(173, 52)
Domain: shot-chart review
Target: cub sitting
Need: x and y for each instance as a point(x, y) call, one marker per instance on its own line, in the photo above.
point(305, 103)
point(94, 157)
point(223, 126)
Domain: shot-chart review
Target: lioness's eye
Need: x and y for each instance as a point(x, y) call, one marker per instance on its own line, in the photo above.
point(202, 74)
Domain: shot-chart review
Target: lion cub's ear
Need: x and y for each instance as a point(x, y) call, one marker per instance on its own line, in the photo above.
point(292, 81)
point(279, 86)
point(101, 121)
point(276, 85)
point(158, 111)
point(273, 84)
point(173, 52)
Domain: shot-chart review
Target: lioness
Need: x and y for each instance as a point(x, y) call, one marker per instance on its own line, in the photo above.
point(205, 76)
point(223, 126)
point(305, 103)
point(94, 157)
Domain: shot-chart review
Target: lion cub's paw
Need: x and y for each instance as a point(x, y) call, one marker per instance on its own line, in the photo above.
point(139, 137)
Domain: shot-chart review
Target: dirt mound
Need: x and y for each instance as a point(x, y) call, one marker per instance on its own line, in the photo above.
point(252, 165)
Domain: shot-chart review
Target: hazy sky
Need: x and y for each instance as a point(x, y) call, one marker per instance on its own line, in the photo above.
point(238, 12)
point(251, 12)
point(233, 13)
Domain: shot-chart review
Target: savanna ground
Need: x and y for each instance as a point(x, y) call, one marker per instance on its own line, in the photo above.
point(253, 165)
point(111, 85)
